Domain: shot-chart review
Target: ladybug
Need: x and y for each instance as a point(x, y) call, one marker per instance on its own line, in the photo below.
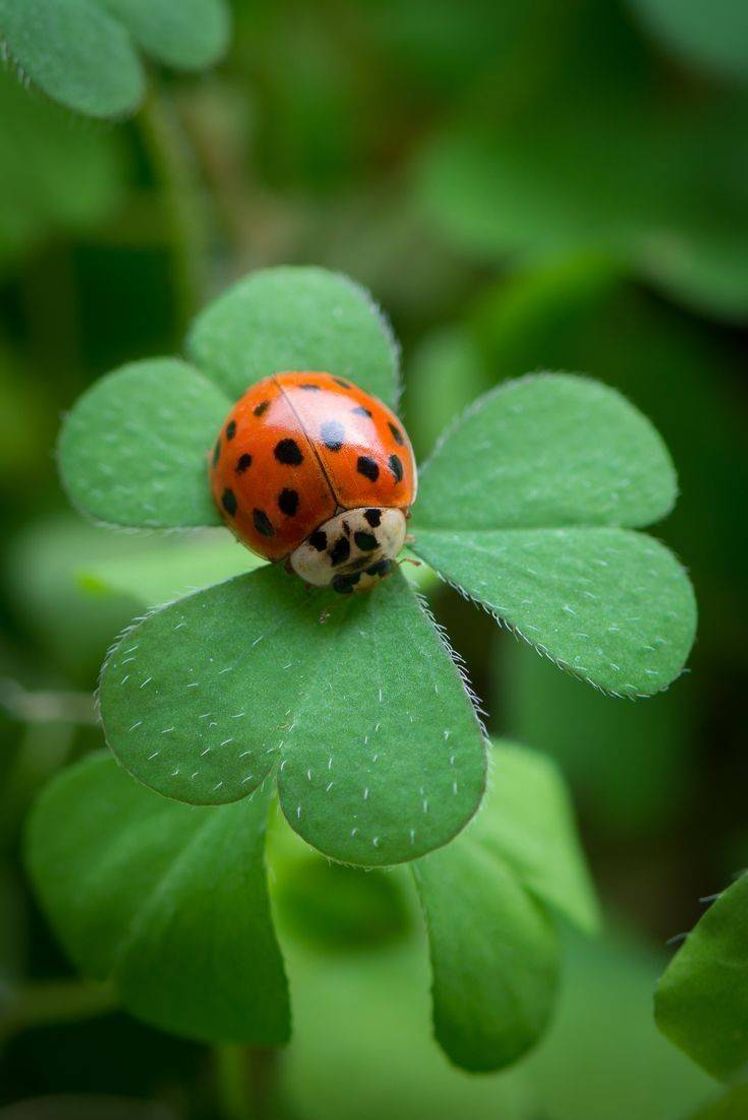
point(310, 471)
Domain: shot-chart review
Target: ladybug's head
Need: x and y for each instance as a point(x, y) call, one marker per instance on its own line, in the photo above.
point(352, 551)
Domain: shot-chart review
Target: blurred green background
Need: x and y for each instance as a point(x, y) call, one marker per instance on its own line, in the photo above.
point(523, 186)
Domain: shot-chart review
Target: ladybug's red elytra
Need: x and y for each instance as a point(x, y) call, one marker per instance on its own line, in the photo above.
point(310, 470)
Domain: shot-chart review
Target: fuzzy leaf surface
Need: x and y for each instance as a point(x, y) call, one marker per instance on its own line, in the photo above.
point(168, 900)
point(701, 1002)
point(134, 450)
point(76, 52)
point(354, 702)
point(296, 318)
point(547, 451)
point(612, 606)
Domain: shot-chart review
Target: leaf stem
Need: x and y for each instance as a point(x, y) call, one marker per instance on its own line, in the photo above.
point(54, 1001)
point(246, 1082)
point(174, 167)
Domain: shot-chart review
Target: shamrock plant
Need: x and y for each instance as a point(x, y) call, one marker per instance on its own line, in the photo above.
point(351, 707)
point(84, 53)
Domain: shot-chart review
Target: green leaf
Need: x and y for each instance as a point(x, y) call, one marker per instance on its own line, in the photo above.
point(189, 35)
point(547, 451)
point(296, 318)
point(713, 36)
point(76, 53)
point(168, 567)
point(134, 450)
point(512, 510)
point(611, 606)
point(701, 1002)
point(354, 701)
point(527, 821)
point(168, 900)
point(733, 1105)
point(494, 955)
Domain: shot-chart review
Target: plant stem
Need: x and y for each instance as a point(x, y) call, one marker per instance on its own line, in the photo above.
point(174, 169)
point(246, 1078)
point(55, 1001)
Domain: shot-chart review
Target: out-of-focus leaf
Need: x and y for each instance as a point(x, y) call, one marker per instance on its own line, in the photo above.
point(702, 999)
point(81, 54)
point(57, 176)
point(445, 375)
point(733, 1105)
point(206, 697)
point(295, 318)
point(713, 37)
point(79, 1107)
point(493, 946)
point(628, 764)
point(134, 450)
point(169, 900)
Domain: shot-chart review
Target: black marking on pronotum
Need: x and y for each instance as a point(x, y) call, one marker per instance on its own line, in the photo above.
point(367, 467)
point(318, 540)
point(243, 463)
point(228, 501)
point(346, 528)
point(260, 408)
point(381, 568)
point(262, 523)
point(397, 435)
point(333, 434)
point(367, 542)
point(359, 410)
point(288, 452)
point(396, 466)
point(216, 452)
point(341, 550)
point(374, 517)
point(288, 502)
point(231, 429)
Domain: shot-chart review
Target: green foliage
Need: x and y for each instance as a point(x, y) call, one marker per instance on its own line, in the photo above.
point(714, 37)
point(702, 998)
point(296, 319)
point(500, 515)
point(733, 1105)
point(56, 175)
point(311, 688)
point(165, 899)
point(81, 52)
point(134, 451)
point(494, 952)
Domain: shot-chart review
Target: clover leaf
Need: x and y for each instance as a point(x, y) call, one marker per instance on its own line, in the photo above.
point(82, 53)
point(170, 903)
point(355, 708)
point(702, 998)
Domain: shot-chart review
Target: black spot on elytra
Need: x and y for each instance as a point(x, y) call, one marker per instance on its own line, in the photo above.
point(333, 434)
point(243, 463)
point(374, 517)
point(343, 384)
point(310, 387)
point(367, 467)
point(396, 466)
point(261, 408)
point(228, 501)
point(288, 452)
point(397, 435)
point(216, 452)
point(231, 429)
point(367, 542)
point(318, 540)
point(262, 523)
point(359, 410)
point(381, 568)
point(341, 550)
point(288, 502)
